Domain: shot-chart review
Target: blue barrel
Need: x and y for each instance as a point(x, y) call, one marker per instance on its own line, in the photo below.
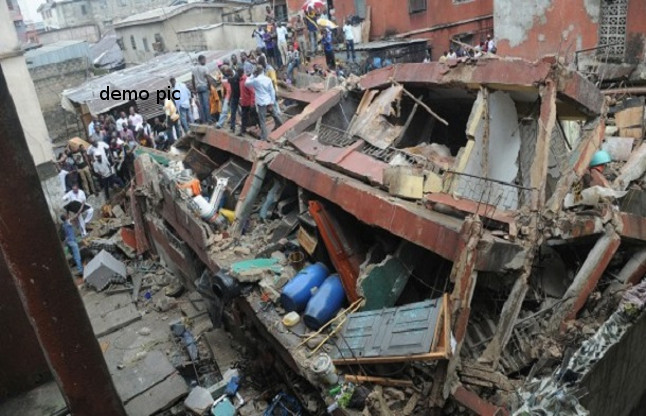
point(298, 291)
point(325, 303)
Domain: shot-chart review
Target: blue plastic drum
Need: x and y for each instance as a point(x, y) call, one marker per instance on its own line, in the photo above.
point(325, 303)
point(298, 291)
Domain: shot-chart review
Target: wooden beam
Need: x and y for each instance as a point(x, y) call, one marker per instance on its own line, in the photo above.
point(383, 381)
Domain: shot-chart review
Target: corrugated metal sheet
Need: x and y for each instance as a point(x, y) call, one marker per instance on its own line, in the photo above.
point(152, 75)
point(57, 52)
point(401, 331)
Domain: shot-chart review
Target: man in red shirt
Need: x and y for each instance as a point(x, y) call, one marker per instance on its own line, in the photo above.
point(247, 102)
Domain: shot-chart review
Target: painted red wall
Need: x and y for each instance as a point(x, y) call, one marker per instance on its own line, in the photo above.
point(636, 31)
point(391, 17)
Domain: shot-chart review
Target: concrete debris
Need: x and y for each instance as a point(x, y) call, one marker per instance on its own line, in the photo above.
point(104, 269)
point(558, 394)
point(199, 400)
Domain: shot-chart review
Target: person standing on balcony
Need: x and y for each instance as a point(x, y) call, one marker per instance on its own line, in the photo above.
point(348, 33)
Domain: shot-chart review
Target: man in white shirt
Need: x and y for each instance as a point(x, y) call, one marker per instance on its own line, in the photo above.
point(76, 203)
point(98, 147)
point(349, 40)
point(121, 121)
point(106, 173)
point(91, 128)
point(135, 119)
point(452, 54)
point(281, 36)
point(491, 45)
point(265, 99)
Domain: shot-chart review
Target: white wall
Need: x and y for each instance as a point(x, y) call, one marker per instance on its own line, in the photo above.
point(22, 90)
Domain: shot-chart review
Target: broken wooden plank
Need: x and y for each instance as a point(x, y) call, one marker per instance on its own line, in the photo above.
point(383, 381)
point(424, 106)
point(159, 397)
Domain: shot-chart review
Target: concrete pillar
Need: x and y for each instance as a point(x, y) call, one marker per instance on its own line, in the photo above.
point(546, 123)
point(635, 269)
point(586, 279)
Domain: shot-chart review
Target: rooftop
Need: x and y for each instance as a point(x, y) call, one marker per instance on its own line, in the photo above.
point(164, 13)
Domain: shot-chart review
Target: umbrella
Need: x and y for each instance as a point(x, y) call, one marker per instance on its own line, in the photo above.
point(326, 23)
point(314, 4)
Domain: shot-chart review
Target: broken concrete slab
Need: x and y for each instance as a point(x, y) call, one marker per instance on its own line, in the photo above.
point(633, 169)
point(111, 313)
point(619, 148)
point(404, 182)
point(373, 126)
point(159, 397)
point(144, 374)
point(199, 400)
point(103, 269)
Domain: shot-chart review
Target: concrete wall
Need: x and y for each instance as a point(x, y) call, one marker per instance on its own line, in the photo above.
point(225, 36)
point(561, 27)
point(544, 27)
point(71, 14)
point(22, 90)
point(442, 19)
point(636, 32)
point(167, 29)
point(89, 33)
point(50, 81)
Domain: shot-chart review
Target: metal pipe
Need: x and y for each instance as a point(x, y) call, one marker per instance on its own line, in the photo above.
point(32, 251)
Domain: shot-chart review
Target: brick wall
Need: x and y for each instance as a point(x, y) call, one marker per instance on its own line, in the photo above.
point(50, 81)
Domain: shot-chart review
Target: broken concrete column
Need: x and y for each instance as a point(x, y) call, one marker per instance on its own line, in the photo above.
point(508, 316)
point(464, 276)
point(633, 169)
point(546, 123)
point(579, 160)
point(635, 269)
point(248, 195)
point(586, 279)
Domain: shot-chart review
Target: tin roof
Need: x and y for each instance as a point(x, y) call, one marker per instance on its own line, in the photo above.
point(151, 76)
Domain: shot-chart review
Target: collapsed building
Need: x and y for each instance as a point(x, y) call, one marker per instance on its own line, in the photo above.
point(420, 240)
point(456, 183)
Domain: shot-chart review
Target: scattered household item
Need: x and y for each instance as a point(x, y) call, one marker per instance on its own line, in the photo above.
point(296, 259)
point(324, 368)
point(284, 405)
point(208, 210)
point(220, 387)
point(223, 407)
point(325, 303)
point(291, 319)
point(298, 291)
point(104, 269)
